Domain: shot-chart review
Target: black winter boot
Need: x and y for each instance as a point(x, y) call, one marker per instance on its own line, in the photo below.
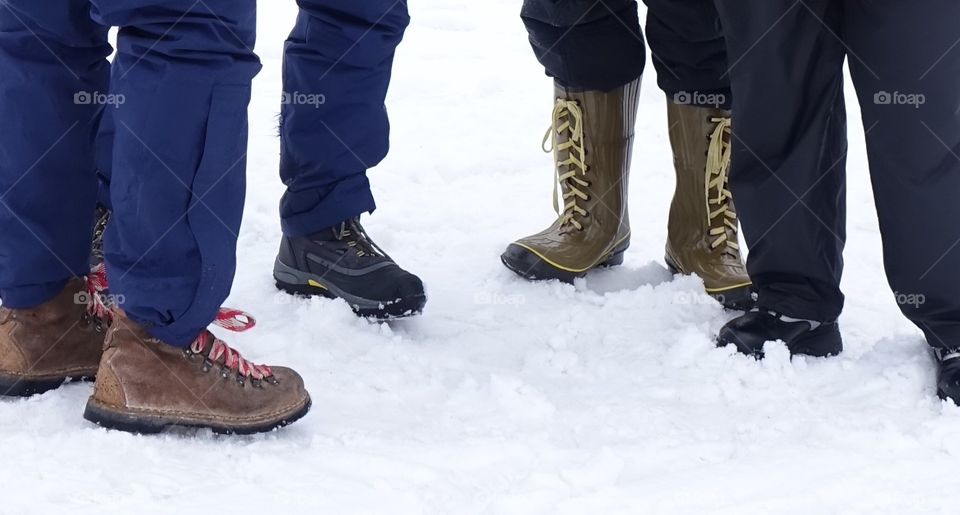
point(752, 330)
point(343, 262)
point(948, 375)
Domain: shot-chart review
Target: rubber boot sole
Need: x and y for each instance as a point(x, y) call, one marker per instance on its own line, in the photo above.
point(18, 386)
point(300, 283)
point(527, 264)
point(742, 298)
point(141, 423)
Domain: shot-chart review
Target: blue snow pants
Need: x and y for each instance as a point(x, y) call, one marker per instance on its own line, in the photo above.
point(334, 127)
point(178, 97)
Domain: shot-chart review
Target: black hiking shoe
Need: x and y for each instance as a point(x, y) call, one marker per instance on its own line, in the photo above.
point(343, 262)
point(755, 328)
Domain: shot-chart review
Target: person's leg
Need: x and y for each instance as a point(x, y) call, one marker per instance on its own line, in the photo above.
point(334, 127)
point(585, 45)
point(179, 159)
point(907, 74)
point(55, 74)
point(184, 72)
point(53, 58)
point(596, 55)
point(788, 176)
point(689, 54)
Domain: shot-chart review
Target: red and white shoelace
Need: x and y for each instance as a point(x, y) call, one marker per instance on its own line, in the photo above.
point(99, 304)
point(219, 352)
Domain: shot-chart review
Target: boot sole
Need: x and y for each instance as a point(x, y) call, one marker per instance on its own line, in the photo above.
point(527, 264)
point(302, 284)
point(139, 423)
point(18, 386)
point(740, 298)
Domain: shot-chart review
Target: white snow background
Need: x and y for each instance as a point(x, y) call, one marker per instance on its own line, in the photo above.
point(508, 397)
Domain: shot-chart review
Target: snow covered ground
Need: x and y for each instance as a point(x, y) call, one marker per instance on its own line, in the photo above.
point(508, 397)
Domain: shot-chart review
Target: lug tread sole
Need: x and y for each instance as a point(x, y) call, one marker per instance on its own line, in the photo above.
point(139, 422)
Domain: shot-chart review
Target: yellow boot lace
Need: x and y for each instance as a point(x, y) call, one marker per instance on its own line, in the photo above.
point(568, 117)
point(721, 219)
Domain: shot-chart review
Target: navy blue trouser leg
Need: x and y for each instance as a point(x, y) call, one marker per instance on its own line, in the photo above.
point(334, 127)
point(788, 167)
point(179, 157)
point(789, 149)
point(51, 55)
point(905, 65)
point(689, 51)
point(588, 45)
point(182, 77)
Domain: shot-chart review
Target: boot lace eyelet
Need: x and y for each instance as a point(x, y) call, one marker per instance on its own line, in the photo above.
point(229, 363)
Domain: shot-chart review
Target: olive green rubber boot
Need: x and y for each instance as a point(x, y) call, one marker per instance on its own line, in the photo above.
point(702, 237)
point(592, 139)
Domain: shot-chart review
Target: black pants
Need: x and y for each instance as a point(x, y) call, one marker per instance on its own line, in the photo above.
point(590, 45)
point(790, 145)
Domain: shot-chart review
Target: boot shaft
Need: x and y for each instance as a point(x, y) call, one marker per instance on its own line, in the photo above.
point(592, 140)
point(593, 133)
point(702, 213)
point(703, 227)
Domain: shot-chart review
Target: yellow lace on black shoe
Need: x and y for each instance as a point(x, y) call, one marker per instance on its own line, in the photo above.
point(568, 118)
point(721, 217)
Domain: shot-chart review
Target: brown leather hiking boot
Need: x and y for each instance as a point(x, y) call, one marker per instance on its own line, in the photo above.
point(592, 135)
point(702, 237)
point(43, 347)
point(145, 385)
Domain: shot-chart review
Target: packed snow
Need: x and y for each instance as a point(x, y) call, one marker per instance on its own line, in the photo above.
point(509, 397)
